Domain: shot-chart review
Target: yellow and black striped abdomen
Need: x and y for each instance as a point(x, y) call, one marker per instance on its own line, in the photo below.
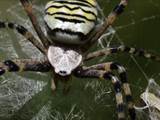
point(69, 20)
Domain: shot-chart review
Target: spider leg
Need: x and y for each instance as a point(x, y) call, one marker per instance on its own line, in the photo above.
point(53, 85)
point(29, 10)
point(123, 49)
point(24, 32)
point(24, 65)
point(91, 73)
point(109, 20)
point(114, 66)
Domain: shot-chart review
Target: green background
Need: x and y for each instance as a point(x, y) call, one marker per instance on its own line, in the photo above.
point(27, 96)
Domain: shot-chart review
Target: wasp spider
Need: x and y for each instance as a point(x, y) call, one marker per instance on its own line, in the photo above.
point(72, 28)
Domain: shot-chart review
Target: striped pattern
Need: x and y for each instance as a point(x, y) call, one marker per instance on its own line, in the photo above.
point(118, 93)
point(24, 65)
point(20, 29)
point(124, 49)
point(139, 52)
point(127, 91)
point(24, 32)
point(68, 21)
point(110, 67)
point(102, 74)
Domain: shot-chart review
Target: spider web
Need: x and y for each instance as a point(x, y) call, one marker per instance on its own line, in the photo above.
point(95, 97)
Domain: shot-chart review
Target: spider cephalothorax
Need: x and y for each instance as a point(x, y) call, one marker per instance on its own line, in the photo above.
point(68, 23)
point(64, 61)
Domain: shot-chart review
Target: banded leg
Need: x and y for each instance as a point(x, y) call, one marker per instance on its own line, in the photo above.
point(24, 32)
point(110, 67)
point(123, 49)
point(116, 84)
point(109, 20)
point(24, 65)
point(29, 10)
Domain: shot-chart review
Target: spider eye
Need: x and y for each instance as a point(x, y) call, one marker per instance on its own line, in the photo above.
point(63, 73)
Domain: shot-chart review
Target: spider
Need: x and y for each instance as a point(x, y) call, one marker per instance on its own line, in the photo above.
point(71, 31)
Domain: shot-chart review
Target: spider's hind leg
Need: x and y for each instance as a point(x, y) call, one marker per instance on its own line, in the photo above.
point(24, 32)
point(109, 20)
point(29, 10)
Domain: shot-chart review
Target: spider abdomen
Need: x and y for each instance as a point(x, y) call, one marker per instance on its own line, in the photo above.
point(68, 21)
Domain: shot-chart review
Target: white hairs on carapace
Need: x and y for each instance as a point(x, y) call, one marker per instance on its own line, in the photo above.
point(63, 61)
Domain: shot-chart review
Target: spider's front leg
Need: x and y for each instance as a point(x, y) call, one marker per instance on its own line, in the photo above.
point(102, 74)
point(114, 66)
point(24, 65)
